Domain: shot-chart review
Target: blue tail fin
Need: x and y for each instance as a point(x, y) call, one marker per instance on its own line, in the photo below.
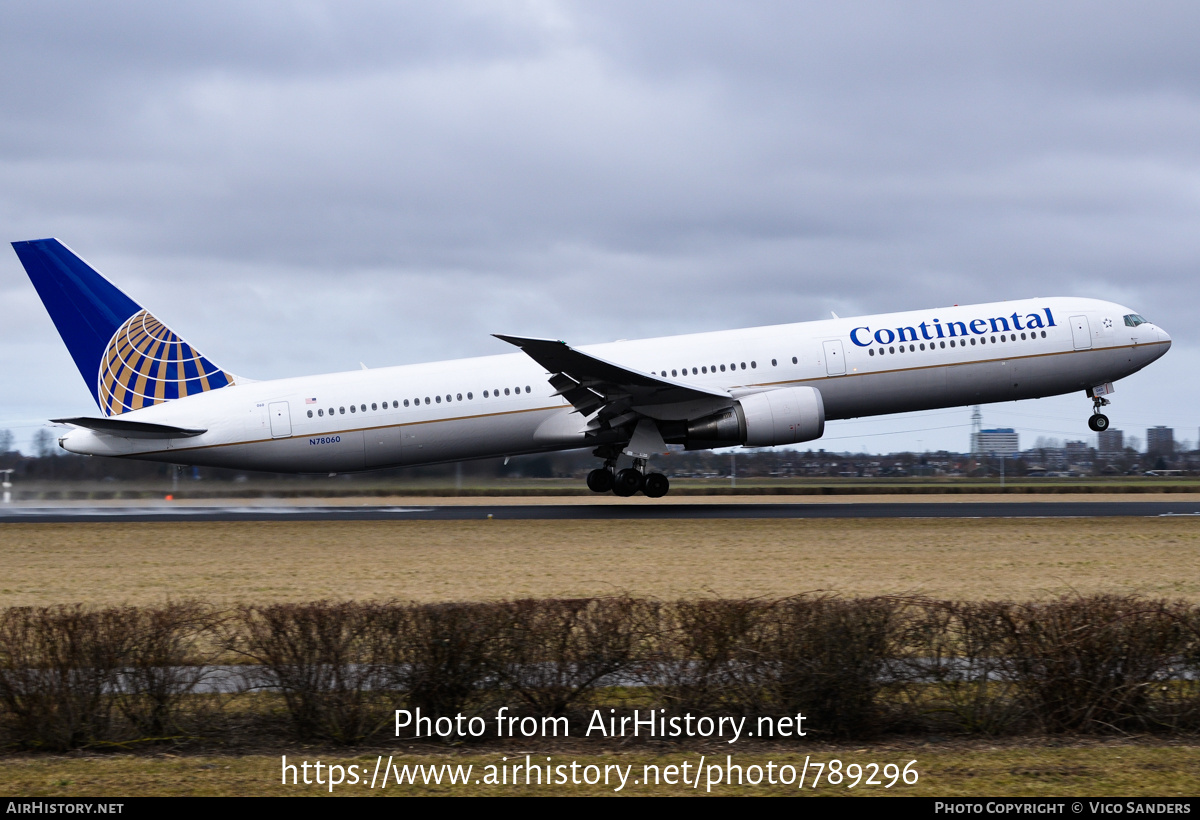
point(128, 359)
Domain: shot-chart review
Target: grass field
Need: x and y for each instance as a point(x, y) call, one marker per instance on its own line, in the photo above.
point(1043, 769)
point(493, 559)
point(227, 563)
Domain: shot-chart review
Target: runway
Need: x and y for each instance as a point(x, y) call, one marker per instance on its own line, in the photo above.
point(603, 512)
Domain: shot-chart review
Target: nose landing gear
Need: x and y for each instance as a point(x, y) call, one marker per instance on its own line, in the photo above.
point(1098, 423)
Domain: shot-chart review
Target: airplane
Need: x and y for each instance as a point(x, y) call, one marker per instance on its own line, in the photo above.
point(161, 400)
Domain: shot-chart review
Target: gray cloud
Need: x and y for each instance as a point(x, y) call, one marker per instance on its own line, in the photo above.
point(312, 185)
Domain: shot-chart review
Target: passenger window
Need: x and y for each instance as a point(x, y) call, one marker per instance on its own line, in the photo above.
point(942, 345)
point(774, 363)
point(447, 398)
point(372, 405)
point(320, 412)
point(753, 365)
point(506, 391)
point(342, 410)
point(438, 399)
point(1043, 334)
point(704, 369)
point(891, 350)
point(1022, 337)
point(528, 389)
point(470, 396)
point(363, 407)
point(795, 360)
point(310, 414)
point(722, 368)
point(427, 399)
point(406, 402)
point(972, 340)
point(673, 373)
point(952, 343)
point(459, 396)
point(352, 408)
point(871, 351)
point(922, 345)
point(695, 371)
point(485, 394)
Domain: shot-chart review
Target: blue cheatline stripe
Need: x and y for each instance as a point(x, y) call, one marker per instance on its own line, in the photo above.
point(86, 308)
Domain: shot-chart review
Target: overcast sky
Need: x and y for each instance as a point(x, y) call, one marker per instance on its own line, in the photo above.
point(298, 187)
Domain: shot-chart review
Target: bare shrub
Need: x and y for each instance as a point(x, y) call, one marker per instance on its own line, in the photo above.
point(59, 667)
point(1093, 663)
point(1182, 697)
point(957, 665)
point(553, 652)
point(830, 658)
point(323, 657)
point(710, 656)
point(164, 661)
point(441, 655)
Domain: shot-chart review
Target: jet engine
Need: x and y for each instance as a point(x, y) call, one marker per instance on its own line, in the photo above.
point(785, 416)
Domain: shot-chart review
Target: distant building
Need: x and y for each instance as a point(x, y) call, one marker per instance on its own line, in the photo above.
point(1052, 458)
point(1077, 452)
point(1111, 443)
point(1001, 441)
point(1160, 441)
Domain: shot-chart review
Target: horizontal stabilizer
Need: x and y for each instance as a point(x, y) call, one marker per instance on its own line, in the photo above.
point(132, 429)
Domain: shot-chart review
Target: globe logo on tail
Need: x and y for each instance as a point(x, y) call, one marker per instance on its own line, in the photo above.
point(145, 363)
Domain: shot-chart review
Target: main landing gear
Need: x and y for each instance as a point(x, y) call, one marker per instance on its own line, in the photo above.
point(627, 482)
point(1098, 423)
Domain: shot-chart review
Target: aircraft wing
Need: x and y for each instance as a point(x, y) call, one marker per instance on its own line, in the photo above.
point(613, 392)
point(132, 429)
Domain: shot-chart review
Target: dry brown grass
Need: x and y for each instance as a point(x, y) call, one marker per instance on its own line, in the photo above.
point(1093, 768)
point(474, 560)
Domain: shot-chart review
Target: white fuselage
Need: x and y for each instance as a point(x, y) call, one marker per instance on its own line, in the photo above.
point(503, 405)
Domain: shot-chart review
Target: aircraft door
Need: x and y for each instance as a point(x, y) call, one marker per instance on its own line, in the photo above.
point(281, 419)
point(835, 358)
point(1081, 332)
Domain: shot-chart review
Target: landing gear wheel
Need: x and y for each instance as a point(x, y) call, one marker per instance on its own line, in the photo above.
point(627, 482)
point(656, 485)
point(1098, 423)
point(600, 480)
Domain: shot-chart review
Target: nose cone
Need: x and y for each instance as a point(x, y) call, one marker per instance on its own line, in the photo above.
point(1163, 336)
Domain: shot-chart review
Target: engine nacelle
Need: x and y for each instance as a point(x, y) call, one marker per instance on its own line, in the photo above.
point(786, 416)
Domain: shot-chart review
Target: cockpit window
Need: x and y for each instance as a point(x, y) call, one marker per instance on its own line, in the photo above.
point(1133, 320)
